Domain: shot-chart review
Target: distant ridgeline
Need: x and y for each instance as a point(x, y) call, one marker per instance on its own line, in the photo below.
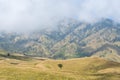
point(69, 39)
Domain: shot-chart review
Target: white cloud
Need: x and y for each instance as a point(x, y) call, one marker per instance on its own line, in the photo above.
point(96, 9)
point(25, 15)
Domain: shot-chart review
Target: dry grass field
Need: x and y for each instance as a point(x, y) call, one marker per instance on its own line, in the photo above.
point(24, 68)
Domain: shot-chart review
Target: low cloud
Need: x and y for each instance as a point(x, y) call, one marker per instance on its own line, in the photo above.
point(94, 9)
point(27, 15)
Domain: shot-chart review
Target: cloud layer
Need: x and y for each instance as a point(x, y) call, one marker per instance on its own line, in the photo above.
point(94, 9)
point(27, 15)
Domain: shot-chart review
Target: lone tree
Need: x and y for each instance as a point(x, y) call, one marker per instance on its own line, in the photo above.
point(8, 54)
point(60, 66)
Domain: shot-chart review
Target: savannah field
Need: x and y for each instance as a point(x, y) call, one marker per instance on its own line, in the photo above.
point(19, 67)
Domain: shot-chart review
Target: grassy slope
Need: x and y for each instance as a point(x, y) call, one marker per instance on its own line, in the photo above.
point(73, 69)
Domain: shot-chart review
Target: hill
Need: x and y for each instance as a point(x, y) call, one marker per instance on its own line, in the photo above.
point(92, 68)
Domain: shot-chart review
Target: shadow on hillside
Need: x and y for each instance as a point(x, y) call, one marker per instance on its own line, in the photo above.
point(105, 46)
point(24, 58)
point(106, 76)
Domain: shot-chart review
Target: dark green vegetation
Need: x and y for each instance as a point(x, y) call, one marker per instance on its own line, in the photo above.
point(69, 39)
point(60, 66)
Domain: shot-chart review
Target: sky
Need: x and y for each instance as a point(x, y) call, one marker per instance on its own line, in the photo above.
point(27, 15)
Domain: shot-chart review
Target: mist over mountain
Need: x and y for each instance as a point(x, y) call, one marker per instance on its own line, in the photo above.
point(61, 29)
point(70, 39)
point(29, 15)
point(60, 39)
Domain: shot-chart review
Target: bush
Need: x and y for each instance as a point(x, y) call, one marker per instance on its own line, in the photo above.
point(60, 66)
point(8, 54)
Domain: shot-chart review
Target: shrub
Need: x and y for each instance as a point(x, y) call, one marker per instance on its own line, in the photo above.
point(8, 54)
point(60, 66)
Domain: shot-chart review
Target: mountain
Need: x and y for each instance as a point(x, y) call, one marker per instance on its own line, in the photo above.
point(69, 38)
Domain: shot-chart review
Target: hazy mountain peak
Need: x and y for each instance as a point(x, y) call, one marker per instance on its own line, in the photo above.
point(72, 38)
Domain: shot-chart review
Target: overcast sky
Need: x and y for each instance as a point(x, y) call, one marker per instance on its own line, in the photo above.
point(25, 15)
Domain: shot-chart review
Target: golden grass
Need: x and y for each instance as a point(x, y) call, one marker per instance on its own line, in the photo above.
point(73, 69)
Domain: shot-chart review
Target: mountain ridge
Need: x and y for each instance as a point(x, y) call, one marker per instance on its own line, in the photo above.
point(70, 39)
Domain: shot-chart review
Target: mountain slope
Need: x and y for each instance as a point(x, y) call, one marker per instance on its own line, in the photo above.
point(70, 38)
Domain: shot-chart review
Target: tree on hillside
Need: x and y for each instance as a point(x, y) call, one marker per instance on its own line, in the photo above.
point(60, 66)
point(8, 54)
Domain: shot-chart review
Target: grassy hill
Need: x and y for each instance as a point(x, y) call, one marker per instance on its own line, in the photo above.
point(17, 67)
